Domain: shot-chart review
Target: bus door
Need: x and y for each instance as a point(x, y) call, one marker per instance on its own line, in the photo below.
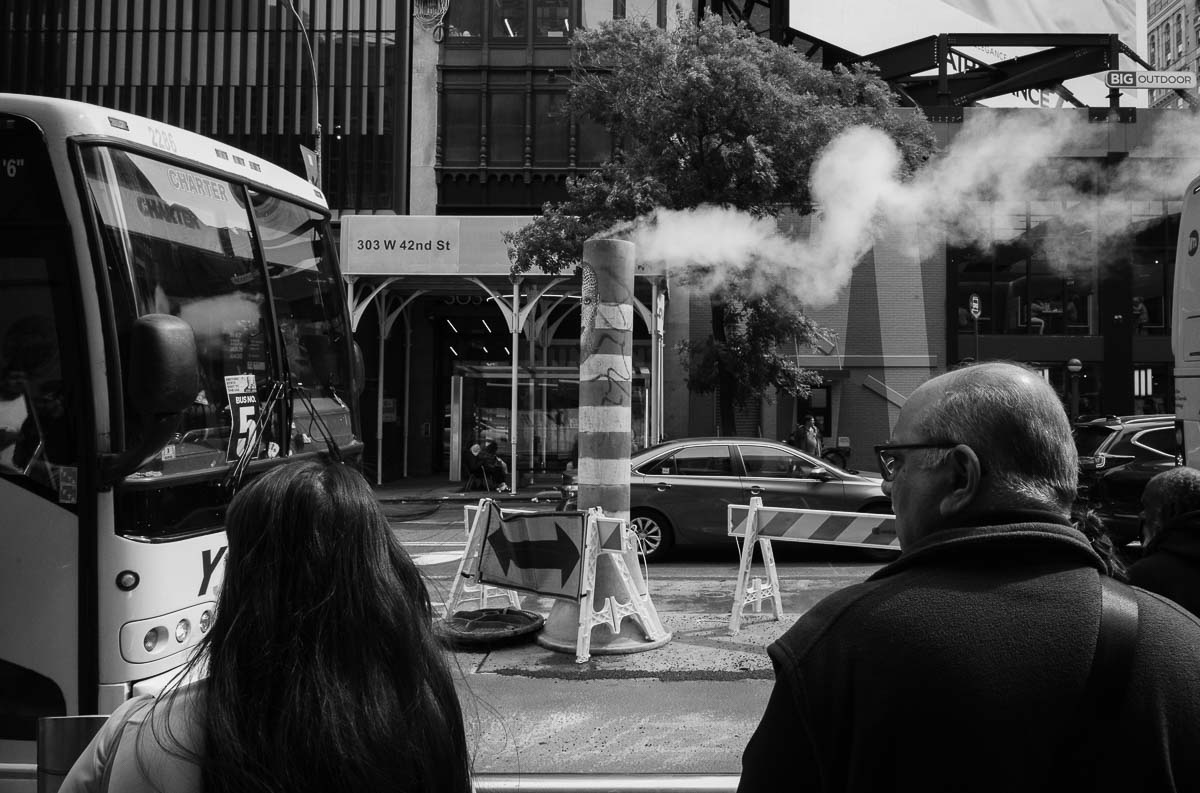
point(45, 510)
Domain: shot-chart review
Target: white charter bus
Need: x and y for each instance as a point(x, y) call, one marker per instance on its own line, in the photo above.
point(1185, 326)
point(172, 319)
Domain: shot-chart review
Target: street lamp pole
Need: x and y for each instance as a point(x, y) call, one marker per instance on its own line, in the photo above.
point(316, 103)
point(1074, 367)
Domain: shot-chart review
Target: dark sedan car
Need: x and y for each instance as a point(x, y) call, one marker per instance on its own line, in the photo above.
point(1118, 455)
point(679, 490)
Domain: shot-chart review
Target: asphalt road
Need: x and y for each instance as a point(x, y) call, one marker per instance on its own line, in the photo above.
point(687, 706)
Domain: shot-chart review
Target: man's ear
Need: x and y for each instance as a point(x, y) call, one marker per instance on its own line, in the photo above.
point(964, 471)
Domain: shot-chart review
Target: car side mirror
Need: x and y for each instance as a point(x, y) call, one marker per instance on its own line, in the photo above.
point(162, 381)
point(822, 473)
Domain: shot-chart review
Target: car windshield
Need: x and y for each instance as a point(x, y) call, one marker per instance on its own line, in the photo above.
point(1089, 439)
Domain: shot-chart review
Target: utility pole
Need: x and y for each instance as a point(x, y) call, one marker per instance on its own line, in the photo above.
point(316, 101)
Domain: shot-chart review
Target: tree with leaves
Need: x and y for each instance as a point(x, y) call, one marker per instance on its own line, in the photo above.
point(708, 113)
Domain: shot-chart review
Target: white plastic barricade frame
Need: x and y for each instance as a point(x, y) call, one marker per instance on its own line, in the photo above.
point(760, 525)
point(466, 587)
point(604, 541)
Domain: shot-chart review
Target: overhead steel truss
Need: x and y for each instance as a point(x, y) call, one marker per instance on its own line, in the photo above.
point(938, 73)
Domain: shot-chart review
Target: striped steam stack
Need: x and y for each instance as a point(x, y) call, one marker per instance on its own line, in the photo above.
point(605, 433)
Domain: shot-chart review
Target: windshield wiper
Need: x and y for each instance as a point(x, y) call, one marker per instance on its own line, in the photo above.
point(316, 418)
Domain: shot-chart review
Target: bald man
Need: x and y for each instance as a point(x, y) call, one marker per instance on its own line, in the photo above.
point(1170, 563)
point(962, 665)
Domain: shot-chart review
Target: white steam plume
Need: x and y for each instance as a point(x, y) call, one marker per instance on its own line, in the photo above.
point(997, 159)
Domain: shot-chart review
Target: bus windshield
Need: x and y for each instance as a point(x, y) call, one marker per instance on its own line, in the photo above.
point(254, 276)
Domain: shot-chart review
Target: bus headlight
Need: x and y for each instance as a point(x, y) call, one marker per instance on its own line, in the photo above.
point(182, 629)
point(205, 621)
point(127, 580)
point(153, 637)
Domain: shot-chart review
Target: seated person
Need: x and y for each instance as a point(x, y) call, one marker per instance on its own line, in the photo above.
point(495, 468)
point(474, 466)
point(1036, 323)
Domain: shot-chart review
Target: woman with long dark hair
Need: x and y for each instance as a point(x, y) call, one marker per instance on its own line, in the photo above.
point(321, 670)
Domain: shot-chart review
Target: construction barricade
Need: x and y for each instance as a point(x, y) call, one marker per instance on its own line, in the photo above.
point(556, 555)
point(759, 525)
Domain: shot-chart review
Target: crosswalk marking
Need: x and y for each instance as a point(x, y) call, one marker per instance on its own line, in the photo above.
point(436, 557)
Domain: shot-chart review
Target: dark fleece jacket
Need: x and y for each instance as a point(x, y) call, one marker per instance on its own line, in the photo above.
point(1171, 565)
point(961, 667)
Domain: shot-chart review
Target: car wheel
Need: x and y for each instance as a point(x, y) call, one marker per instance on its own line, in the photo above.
point(654, 534)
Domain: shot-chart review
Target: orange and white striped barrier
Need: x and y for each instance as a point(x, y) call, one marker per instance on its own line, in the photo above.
point(761, 525)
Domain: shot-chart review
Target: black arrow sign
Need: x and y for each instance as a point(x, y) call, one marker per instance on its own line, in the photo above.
point(557, 554)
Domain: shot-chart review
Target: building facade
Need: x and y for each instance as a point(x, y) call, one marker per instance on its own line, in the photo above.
point(1172, 44)
point(439, 119)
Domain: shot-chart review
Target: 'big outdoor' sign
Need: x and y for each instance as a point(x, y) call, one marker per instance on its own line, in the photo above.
point(1126, 79)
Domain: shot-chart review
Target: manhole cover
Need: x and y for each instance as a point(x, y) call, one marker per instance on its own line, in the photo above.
point(483, 628)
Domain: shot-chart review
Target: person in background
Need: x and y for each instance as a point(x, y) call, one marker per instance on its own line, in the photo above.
point(323, 671)
point(1141, 314)
point(1092, 527)
point(496, 468)
point(1170, 563)
point(966, 664)
point(14, 411)
point(810, 439)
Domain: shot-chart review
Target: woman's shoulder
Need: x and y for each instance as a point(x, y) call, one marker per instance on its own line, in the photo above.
point(169, 744)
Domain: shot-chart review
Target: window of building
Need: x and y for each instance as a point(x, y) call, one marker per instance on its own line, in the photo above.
point(551, 129)
point(595, 142)
point(464, 21)
point(506, 129)
point(595, 12)
point(551, 19)
point(1153, 48)
point(1035, 272)
point(1167, 44)
point(460, 124)
point(1152, 267)
point(510, 20)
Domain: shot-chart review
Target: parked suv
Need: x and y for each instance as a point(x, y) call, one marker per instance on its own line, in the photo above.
point(1117, 457)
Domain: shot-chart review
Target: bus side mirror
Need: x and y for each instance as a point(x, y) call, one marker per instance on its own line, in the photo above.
point(163, 365)
point(163, 380)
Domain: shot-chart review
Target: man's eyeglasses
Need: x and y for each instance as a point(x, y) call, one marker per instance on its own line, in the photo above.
point(889, 461)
